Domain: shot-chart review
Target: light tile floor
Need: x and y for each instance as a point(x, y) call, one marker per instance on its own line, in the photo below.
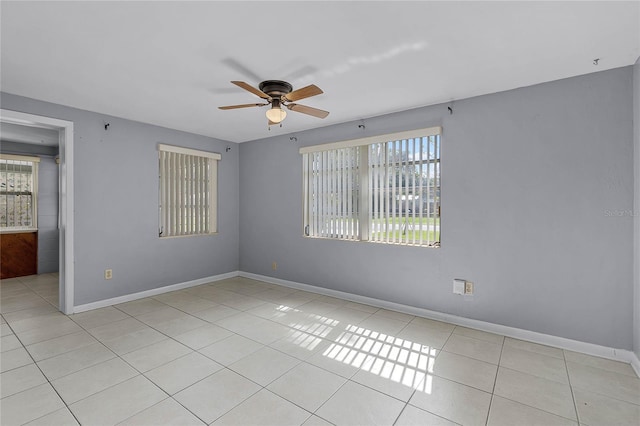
point(245, 352)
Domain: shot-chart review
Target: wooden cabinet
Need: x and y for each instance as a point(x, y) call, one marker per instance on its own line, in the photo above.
point(18, 254)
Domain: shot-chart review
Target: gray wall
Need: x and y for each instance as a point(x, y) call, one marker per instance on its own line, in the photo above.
point(48, 235)
point(636, 207)
point(116, 206)
point(11, 147)
point(531, 181)
point(546, 248)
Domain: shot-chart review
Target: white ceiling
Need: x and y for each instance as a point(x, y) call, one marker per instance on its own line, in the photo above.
point(170, 63)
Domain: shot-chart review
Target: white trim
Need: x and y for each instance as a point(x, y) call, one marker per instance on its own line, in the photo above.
point(67, 215)
point(635, 363)
point(409, 134)
point(65, 129)
point(188, 151)
point(170, 237)
point(213, 193)
point(622, 355)
point(636, 215)
point(152, 292)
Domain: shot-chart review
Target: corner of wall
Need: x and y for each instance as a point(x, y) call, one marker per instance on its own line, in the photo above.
point(636, 208)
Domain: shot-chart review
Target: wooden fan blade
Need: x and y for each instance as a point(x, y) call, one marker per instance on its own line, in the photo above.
point(308, 110)
point(241, 106)
point(305, 92)
point(241, 68)
point(251, 89)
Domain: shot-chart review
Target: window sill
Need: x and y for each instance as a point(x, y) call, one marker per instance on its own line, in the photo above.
point(396, 244)
point(170, 237)
point(18, 230)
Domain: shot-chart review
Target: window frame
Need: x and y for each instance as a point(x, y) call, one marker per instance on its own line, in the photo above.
point(173, 222)
point(35, 162)
point(370, 192)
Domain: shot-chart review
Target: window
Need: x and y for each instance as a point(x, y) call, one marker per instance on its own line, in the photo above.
point(188, 191)
point(18, 192)
point(383, 189)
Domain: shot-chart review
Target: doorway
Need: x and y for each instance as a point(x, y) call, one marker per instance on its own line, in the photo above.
point(66, 255)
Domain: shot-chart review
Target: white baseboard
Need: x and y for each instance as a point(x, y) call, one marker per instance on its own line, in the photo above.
point(622, 355)
point(152, 292)
point(635, 363)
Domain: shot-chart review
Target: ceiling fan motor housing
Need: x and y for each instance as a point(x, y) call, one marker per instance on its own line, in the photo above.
point(275, 88)
point(278, 94)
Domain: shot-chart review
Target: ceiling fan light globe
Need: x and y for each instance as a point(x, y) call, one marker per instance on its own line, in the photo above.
point(276, 115)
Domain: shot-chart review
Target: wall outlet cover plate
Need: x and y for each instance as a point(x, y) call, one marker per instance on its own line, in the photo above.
point(458, 286)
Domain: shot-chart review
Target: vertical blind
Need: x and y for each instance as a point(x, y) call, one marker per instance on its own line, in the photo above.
point(18, 191)
point(383, 189)
point(332, 184)
point(187, 191)
point(404, 184)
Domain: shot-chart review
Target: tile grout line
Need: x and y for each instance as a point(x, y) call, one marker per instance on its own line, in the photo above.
point(426, 375)
point(543, 378)
point(46, 378)
point(227, 367)
point(140, 373)
point(223, 366)
point(495, 381)
point(97, 341)
point(284, 398)
point(347, 380)
point(573, 396)
point(330, 396)
point(251, 395)
point(350, 379)
point(170, 337)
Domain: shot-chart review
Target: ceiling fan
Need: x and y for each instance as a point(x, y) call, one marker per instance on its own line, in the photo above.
point(277, 94)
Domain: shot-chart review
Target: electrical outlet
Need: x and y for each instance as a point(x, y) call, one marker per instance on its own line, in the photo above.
point(468, 287)
point(108, 274)
point(274, 266)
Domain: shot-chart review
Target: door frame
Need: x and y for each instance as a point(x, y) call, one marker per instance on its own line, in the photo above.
point(66, 212)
